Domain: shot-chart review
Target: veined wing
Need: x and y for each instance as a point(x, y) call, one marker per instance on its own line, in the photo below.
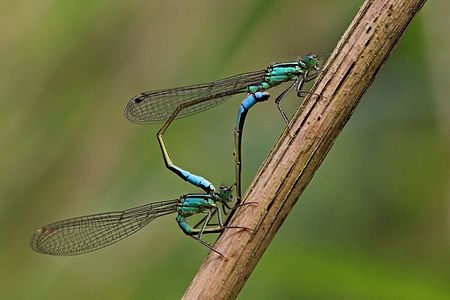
point(157, 106)
point(88, 233)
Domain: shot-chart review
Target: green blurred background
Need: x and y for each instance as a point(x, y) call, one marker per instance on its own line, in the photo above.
point(373, 224)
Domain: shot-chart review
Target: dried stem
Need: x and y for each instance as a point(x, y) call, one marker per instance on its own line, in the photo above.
point(350, 70)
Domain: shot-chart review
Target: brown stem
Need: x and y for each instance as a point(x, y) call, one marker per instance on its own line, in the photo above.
point(290, 166)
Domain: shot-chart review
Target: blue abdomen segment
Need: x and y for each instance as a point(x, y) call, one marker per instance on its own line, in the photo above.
point(248, 102)
point(194, 179)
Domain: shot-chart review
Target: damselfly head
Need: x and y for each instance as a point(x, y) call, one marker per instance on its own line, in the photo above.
point(225, 193)
point(312, 61)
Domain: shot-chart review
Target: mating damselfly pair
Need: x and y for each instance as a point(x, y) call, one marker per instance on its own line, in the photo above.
point(88, 233)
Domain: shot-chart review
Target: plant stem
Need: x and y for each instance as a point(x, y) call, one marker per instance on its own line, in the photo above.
point(350, 70)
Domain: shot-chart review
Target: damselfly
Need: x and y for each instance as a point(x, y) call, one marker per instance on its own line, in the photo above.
point(88, 233)
point(168, 104)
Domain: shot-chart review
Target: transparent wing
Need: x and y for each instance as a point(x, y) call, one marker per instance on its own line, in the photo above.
point(88, 233)
point(157, 106)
